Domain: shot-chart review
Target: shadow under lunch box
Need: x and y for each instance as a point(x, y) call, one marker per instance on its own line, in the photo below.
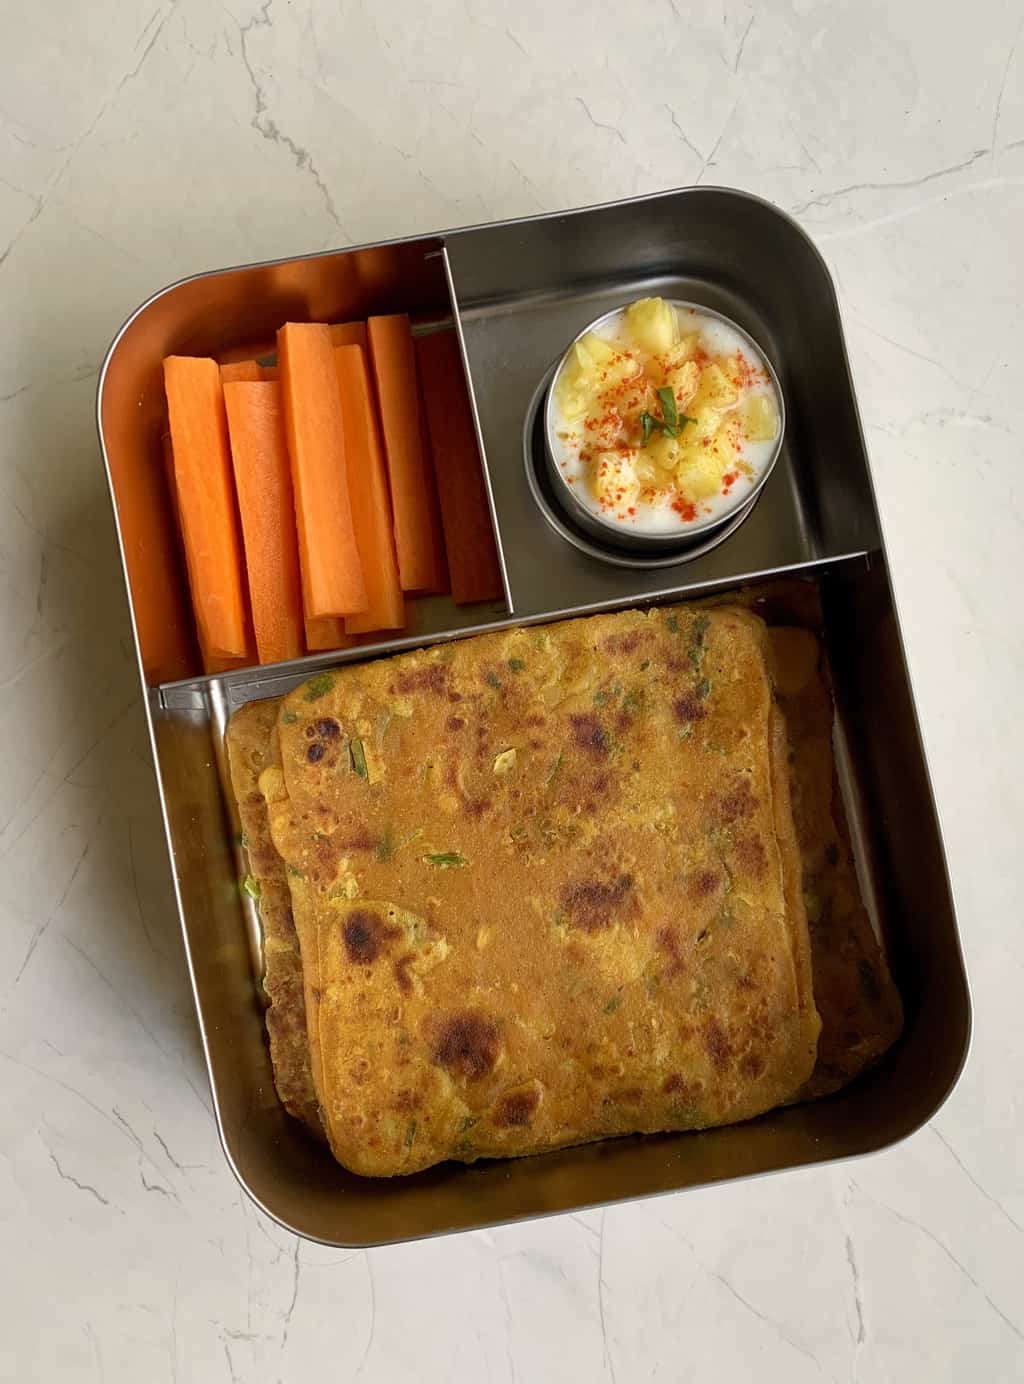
point(517, 293)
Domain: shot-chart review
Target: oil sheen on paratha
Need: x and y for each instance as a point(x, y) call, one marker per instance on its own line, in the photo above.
point(553, 883)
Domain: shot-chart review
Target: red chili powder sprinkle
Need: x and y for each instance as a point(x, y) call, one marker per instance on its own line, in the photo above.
point(685, 508)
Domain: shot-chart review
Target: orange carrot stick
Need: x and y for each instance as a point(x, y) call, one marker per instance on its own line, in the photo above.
point(259, 452)
point(349, 334)
point(322, 636)
point(270, 372)
point(468, 532)
point(156, 572)
point(368, 491)
point(240, 370)
point(418, 539)
point(332, 576)
point(211, 662)
point(206, 498)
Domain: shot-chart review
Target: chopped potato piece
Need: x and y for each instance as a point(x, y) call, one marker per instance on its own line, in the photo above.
point(704, 426)
point(615, 480)
point(715, 390)
point(653, 325)
point(683, 381)
point(733, 368)
point(761, 418)
point(699, 474)
point(683, 351)
point(594, 349)
point(573, 404)
point(665, 452)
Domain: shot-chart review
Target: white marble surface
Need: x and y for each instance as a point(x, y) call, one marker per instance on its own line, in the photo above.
point(148, 139)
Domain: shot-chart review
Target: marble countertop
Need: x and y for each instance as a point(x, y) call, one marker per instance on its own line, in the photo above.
point(150, 139)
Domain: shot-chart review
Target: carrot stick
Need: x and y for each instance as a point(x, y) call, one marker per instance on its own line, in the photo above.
point(270, 372)
point(368, 491)
point(156, 573)
point(237, 370)
point(468, 532)
point(211, 662)
point(332, 576)
point(206, 498)
point(263, 478)
point(327, 634)
point(349, 334)
point(418, 539)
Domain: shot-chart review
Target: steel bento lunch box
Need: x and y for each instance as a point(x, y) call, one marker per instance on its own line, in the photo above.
point(517, 293)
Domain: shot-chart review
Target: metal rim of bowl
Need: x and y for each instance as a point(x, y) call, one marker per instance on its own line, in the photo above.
point(616, 557)
point(654, 542)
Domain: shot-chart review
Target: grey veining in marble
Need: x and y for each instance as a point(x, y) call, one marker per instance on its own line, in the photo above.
point(140, 142)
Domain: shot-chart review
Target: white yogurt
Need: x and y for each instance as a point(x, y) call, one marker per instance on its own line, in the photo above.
point(718, 338)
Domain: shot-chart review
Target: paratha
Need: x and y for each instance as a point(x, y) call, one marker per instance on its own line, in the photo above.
point(547, 887)
point(250, 748)
point(860, 1008)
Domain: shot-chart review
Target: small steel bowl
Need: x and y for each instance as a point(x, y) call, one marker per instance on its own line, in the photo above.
point(612, 534)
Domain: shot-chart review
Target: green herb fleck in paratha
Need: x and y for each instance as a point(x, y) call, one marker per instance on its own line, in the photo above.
point(318, 687)
point(357, 756)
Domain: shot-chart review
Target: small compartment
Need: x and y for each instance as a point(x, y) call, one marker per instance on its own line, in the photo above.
point(233, 315)
point(525, 289)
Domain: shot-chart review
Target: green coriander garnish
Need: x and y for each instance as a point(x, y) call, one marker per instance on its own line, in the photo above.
point(492, 680)
point(613, 1004)
point(410, 1134)
point(671, 423)
point(703, 688)
point(289, 717)
point(445, 860)
point(516, 664)
point(318, 687)
point(251, 887)
point(672, 624)
point(295, 872)
point(358, 757)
